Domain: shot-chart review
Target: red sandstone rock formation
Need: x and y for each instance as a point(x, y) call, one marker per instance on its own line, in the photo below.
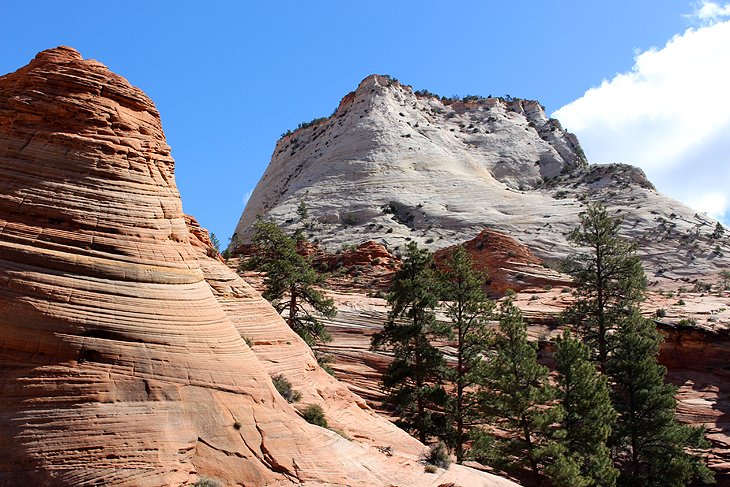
point(118, 365)
point(508, 263)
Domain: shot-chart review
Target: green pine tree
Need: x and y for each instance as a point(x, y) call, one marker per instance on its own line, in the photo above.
point(516, 395)
point(582, 457)
point(413, 380)
point(651, 446)
point(290, 282)
point(468, 308)
point(608, 276)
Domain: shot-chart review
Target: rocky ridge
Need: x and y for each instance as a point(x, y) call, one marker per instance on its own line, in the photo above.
point(119, 364)
point(393, 165)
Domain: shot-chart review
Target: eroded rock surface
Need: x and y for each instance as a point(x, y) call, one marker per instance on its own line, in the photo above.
point(394, 166)
point(118, 365)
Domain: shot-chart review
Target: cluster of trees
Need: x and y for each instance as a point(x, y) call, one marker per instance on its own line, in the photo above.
point(605, 416)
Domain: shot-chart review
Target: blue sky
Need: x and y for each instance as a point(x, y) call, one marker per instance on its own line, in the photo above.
point(230, 77)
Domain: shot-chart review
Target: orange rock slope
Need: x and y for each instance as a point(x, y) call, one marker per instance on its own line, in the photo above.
point(118, 365)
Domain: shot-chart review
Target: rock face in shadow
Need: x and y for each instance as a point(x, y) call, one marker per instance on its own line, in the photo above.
point(118, 365)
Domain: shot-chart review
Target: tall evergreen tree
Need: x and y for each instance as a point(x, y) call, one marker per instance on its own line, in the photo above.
point(290, 282)
point(516, 394)
point(582, 457)
point(651, 446)
point(413, 381)
point(609, 278)
point(468, 308)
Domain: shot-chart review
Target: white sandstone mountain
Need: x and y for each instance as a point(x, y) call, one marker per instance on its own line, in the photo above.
point(392, 165)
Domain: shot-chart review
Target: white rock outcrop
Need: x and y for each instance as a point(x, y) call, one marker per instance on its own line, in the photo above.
point(392, 165)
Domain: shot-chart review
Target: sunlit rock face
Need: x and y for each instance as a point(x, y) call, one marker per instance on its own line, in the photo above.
point(392, 165)
point(118, 364)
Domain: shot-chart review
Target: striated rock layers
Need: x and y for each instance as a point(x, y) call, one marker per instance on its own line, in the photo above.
point(118, 365)
point(392, 165)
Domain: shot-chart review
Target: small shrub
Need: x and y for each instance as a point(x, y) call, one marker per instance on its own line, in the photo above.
point(207, 482)
point(314, 414)
point(237, 425)
point(350, 219)
point(565, 290)
point(248, 341)
point(284, 387)
point(437, 456)
point(660, 313)
point(702, 287)
point(341, 433)
point(431, 469)
point(681, 302)
point(688, 322)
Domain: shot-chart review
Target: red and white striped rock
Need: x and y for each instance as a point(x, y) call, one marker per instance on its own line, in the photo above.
point(118, 365)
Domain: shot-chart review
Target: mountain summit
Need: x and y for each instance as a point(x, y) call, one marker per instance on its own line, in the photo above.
point(394, 165)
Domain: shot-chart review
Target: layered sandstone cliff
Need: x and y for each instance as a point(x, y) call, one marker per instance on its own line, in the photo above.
point(394, 166)
point(118, 364)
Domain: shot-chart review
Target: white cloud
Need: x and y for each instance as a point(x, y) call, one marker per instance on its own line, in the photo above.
point(669, 115)
point(709, 12)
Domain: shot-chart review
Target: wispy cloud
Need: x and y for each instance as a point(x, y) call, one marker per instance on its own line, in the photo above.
point(669, 115)
point(710, 12)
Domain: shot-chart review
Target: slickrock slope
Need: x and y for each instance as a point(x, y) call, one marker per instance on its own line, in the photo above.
point(391, 165)
point(118, 366)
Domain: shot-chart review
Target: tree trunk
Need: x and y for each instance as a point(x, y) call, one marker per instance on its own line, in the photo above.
point(292, 306)
point(530, 452)
point(459, 447)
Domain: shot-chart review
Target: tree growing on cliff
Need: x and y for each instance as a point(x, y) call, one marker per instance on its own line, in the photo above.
point(468, 309)
point(290, 282)
point(652, 448)
point(608, 276)
point(413, 381)
point(516, 395)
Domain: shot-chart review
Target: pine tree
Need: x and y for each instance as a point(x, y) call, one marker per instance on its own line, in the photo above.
point(413, 380)
point(609, 278)
point(468, 308)
point(290, 282)
point(516, 394)
point(586, 419)
point(651, 445)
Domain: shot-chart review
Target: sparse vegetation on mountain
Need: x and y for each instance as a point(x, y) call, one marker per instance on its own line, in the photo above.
point(724, 280)
point(437, 455)
point(314, 414)
point(413, 381)
point(284, 387)
point(719, 231)
point(468, 309)
point(290, 282)
point(216, 250)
